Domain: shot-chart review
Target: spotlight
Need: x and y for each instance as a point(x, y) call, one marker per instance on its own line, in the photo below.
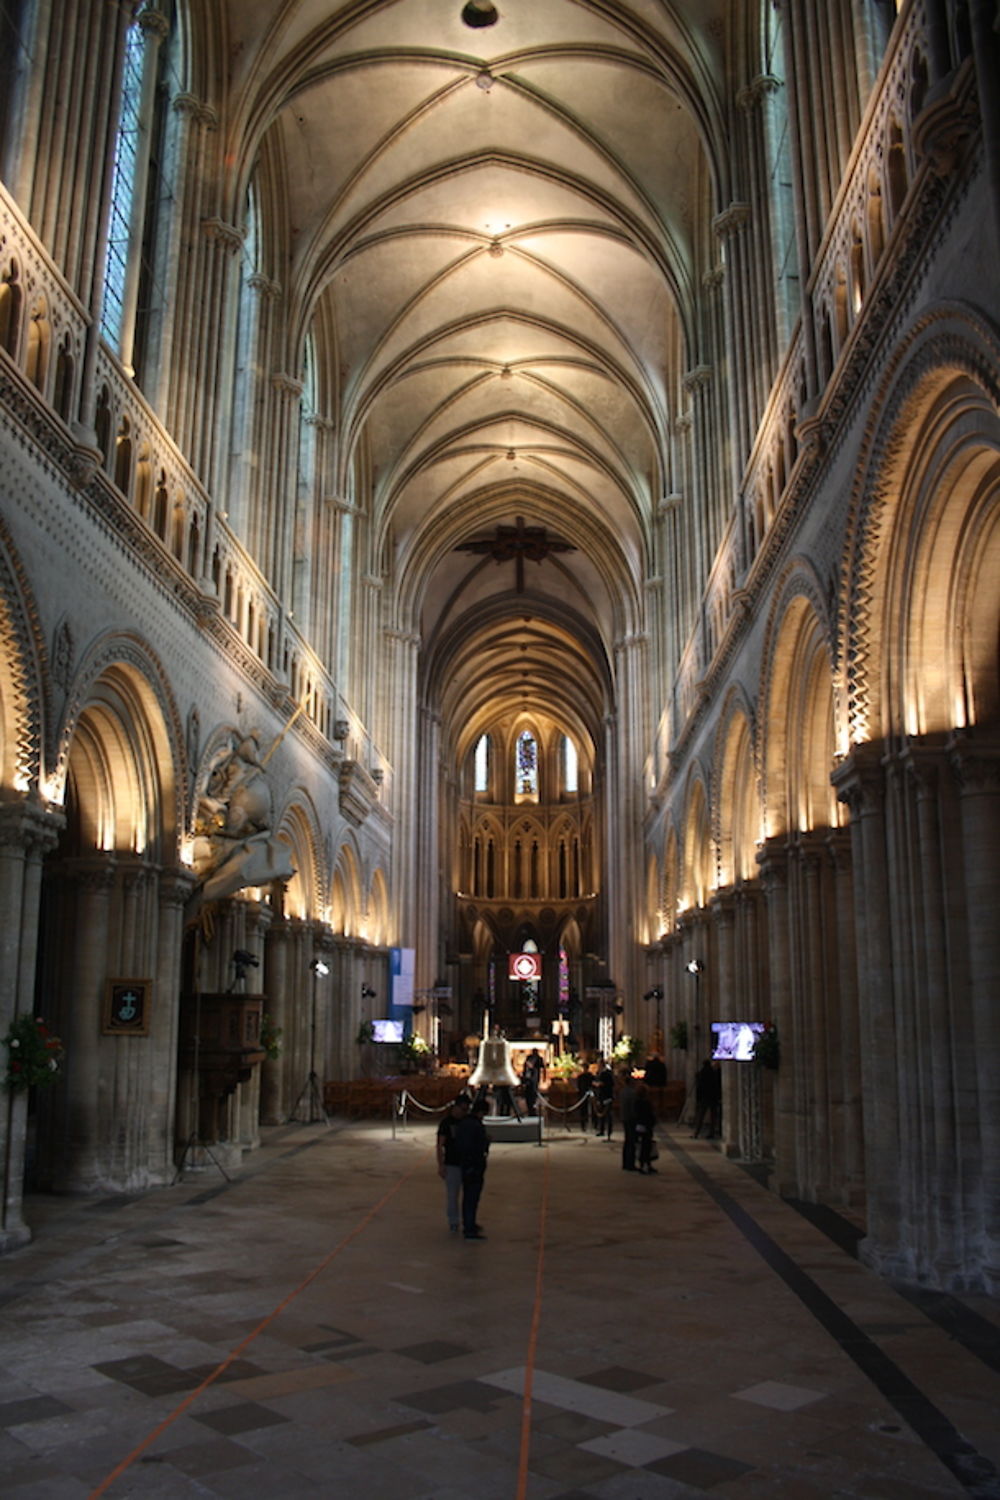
point(367, 993)
point(653, 994)
point(244, 960)
point(319, 968)
point(696, 967)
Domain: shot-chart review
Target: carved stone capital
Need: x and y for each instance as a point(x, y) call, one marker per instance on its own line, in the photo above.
point(264, 286)
point(976, 770)
point(754, 93)
point(227, 236)
point(153, 24)
point(287, 385)
point(30, 826)
point(731, 220)
point(698, 378)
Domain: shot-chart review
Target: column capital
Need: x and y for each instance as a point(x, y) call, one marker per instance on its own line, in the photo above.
point(287, 385)
point(697, 378)
point(753, 94)
point(153, 24)
point(975, 769)
point(731, 220)
point(30, 826)
point(228, 236)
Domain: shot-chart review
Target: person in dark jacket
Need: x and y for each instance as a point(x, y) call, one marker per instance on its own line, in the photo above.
point(708, 1098)
point(472, 1146)
point(604, 1100)
point(645, 1123)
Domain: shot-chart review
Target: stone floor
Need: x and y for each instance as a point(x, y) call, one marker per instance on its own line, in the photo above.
point(310, 1328)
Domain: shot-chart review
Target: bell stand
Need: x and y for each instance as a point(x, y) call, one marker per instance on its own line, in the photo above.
point(194, 1142)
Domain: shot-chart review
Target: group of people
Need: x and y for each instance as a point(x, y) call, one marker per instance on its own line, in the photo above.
point(463, 1144)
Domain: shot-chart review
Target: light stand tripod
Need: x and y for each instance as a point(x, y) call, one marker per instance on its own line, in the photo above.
point(317, 1109)
point(194, 1143)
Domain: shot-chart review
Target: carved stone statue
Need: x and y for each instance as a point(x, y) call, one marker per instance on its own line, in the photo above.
point(234, 846)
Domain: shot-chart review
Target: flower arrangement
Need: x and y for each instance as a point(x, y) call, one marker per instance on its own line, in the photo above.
point(568, 1065)
point(415, 1048)
point(627, 1050)
point(679, 1036)
point(270, 1038)
point(34, 1054)
point(767, 1048)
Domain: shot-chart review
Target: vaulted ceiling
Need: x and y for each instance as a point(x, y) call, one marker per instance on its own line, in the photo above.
point(499, 220)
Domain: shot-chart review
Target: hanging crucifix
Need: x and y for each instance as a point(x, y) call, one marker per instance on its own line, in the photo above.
point(517, 542)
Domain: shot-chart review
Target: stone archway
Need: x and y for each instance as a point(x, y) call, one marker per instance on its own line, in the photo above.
point(112, 913)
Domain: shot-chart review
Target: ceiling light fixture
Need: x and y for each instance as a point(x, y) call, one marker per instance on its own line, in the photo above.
point(484, 80)
point(479, 13)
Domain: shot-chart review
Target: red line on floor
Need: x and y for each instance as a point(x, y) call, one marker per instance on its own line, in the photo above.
point(130, 1458)
point(532, 1350)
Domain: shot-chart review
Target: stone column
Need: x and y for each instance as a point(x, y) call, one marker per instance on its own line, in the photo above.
point(977, 770)
point(860, 783)
point(27, 832)
point(173, 889)
point(274, 1076)
point(730, 1007)
point(83, 1166)
point(773, 861)
point(847, 1099)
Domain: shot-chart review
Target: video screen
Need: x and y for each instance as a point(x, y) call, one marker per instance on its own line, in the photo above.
point(735, 1040)
point(387, 1031)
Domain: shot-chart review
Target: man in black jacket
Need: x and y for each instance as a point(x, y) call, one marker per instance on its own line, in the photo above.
point(472, 1146)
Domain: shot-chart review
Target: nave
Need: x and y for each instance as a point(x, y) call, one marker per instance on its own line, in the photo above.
point(310, 1328)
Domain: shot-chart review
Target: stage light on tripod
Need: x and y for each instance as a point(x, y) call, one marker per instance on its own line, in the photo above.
point(319, 968)
point(367, 993)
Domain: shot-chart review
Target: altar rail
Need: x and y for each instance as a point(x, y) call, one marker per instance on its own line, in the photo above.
point(371, 1098)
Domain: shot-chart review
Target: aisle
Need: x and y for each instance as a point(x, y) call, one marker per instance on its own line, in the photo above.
point(312, 1329)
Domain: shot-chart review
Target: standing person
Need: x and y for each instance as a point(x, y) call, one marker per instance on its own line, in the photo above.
point(626, 1108)
point(449, 1167)
point(532, 1078)
point(656, 1072)
point(472, 1145)
point(604, 1100)
point(708, 1098)
point(585, 1090)
point(645, 1122)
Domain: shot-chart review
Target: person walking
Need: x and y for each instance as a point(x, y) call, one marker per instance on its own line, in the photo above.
point(449, 1167)
point(472, 1147)
point(532, 1078)
point(626, 1108)
point(645, 1124)
point(604, 1100)
point(708, 1098)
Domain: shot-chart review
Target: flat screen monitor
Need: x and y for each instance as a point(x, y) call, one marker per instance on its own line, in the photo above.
point(387, 1031)
point(735, 1040)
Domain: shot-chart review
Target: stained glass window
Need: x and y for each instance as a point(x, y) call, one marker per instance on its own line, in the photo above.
point(123, 189)
point(526, 768)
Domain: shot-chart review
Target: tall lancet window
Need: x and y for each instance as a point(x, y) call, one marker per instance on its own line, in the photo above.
point(482, 764)
point(526, 767)
point(124, 181)
point(570, 766)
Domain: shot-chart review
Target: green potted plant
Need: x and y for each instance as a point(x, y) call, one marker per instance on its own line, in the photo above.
point(34, 1054)
point(270, 1038)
